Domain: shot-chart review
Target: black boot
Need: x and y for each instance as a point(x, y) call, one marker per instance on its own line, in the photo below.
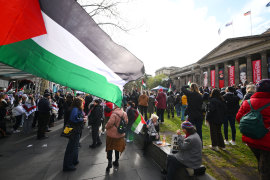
point(109, 166)
point(116, 163)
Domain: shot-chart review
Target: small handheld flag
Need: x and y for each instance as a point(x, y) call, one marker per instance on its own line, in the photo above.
point(143, 84)
point(247, 13)
point(189, 83)
point(170, 88)
point(228, 24)
point(138, 124)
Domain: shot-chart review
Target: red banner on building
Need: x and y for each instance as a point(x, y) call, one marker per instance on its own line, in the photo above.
point(213, 83)
point(221, 77)
point(257, 73)
point(231, 76)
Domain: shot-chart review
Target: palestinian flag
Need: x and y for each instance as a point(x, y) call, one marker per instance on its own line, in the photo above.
point(189, 83)
point(29, 108)
point(170, 88)
point(57, 40)
point(143, 84)
point(138, 124)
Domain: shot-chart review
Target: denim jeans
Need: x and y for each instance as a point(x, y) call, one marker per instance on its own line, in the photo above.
point(72, 152)
point(231, 120)
point(178, 109)
point(183, 109)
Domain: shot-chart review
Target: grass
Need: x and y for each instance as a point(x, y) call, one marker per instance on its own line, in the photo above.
point(237, 162)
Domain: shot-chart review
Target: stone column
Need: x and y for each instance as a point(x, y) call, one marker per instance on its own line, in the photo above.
point(236, 71)
point(226, 76)
point(216, 76)
point(249, 69)
point(264, 65)
point(208, 76)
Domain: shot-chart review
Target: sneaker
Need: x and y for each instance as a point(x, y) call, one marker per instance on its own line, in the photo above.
point(127, 140)
point(215, 148)
point(232, 142)
point(226, 142)
point(16, 131)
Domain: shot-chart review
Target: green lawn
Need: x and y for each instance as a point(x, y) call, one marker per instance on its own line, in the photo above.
point(237, 162)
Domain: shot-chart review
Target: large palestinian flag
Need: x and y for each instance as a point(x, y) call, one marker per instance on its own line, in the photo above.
point(58, 41)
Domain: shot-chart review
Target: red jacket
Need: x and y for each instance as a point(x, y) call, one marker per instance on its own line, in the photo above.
point(258, 100)
point(110, 105)
point(161, 98)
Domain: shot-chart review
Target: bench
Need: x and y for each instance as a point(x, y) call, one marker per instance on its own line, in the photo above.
point(159, 155)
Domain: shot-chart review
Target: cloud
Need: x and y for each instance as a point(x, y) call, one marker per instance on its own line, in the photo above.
point(175, 33)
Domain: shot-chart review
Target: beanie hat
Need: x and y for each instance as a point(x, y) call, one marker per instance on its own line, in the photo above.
point(186, 125)
point(263, 85)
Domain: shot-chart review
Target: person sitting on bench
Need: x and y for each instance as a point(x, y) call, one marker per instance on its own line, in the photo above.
point(189, 154)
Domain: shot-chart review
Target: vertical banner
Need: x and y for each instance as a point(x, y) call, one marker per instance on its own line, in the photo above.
point(256, 67)
point(213, 83)
point(221, 77)
point(231, 76)
point(205, 79)
point(243, 73)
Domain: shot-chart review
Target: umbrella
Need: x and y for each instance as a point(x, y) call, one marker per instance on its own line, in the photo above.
point(159, 87)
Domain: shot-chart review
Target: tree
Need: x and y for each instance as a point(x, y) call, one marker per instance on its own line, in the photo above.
point(106, 13)
point(157, 80)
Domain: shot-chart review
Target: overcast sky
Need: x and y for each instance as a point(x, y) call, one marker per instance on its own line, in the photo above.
point(180, 32)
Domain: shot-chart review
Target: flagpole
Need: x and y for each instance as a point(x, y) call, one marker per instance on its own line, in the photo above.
point(250, 23)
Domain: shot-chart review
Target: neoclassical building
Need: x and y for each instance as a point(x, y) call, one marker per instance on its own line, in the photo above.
point(234, 61)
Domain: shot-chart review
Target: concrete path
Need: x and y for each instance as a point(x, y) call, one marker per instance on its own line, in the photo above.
point(23, 157)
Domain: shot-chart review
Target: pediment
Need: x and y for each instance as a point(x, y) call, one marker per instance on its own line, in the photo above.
point(233, 45)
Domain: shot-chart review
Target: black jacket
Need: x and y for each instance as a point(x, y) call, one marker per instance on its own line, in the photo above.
point(194, 99)
point(96, 115)
point(44, 105)
point(131, 116)
point(215, 111)
point(232, 103)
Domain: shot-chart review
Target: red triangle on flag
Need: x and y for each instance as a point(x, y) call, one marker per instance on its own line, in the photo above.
point(20, 20)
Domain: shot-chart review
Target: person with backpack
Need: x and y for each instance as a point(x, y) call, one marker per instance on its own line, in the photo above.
point(215, 114)
point(257, 142)
point(232, 107)
point(132, 114)
point(115, 137)
point(95, 119)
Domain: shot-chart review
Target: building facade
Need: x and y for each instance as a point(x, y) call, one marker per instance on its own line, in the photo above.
point(165, 70)
point(235, 61)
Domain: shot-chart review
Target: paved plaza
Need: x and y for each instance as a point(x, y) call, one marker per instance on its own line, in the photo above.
point(24, 157)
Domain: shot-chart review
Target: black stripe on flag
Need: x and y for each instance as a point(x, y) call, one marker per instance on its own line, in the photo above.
point(71, 16)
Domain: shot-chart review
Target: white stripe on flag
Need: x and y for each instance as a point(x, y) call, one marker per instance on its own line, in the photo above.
point(66, 46)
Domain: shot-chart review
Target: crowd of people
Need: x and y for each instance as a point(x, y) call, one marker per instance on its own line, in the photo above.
point(192, 105)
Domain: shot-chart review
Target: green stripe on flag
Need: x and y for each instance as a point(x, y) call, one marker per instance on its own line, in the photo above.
point(28, 56)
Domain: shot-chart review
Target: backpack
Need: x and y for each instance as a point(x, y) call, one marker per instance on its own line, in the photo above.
point(122, 126)
point(251, 124)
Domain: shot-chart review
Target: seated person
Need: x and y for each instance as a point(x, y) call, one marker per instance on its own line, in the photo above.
point(152, 128)
point(190, 151)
